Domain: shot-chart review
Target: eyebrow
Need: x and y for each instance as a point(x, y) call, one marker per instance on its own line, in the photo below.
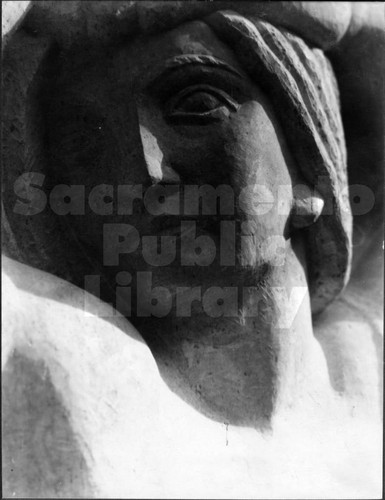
point(195, 59)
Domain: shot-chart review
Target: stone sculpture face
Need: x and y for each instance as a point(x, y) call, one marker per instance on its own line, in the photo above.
point(197, 181)
point(170, 111)
point(177, 109)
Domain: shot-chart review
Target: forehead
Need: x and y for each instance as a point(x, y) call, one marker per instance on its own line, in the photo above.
point(147, 56)
point(93, 71)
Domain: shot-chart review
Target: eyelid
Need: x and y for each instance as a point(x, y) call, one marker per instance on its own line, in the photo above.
point(172, 103)
point(170, 83)
point(178, 66)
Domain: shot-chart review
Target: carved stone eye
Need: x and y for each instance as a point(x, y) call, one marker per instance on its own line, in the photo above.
point(201, 101)
point(198, 102)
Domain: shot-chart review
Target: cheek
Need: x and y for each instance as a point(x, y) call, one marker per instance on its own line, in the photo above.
point(261, 165)
point(255, 145)
point(246, 151)
point(246, 147)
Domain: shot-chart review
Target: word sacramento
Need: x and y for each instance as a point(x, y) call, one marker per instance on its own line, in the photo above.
point(168, 199)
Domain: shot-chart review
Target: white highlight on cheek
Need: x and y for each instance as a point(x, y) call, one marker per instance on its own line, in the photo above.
point(12, 13)
point(152, 154)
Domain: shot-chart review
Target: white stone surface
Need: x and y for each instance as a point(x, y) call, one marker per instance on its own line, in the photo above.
point(140, 440)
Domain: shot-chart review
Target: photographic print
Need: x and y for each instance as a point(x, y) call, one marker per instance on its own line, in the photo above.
point(192, 249)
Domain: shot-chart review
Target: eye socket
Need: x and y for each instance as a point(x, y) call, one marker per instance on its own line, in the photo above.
point(200, 103)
